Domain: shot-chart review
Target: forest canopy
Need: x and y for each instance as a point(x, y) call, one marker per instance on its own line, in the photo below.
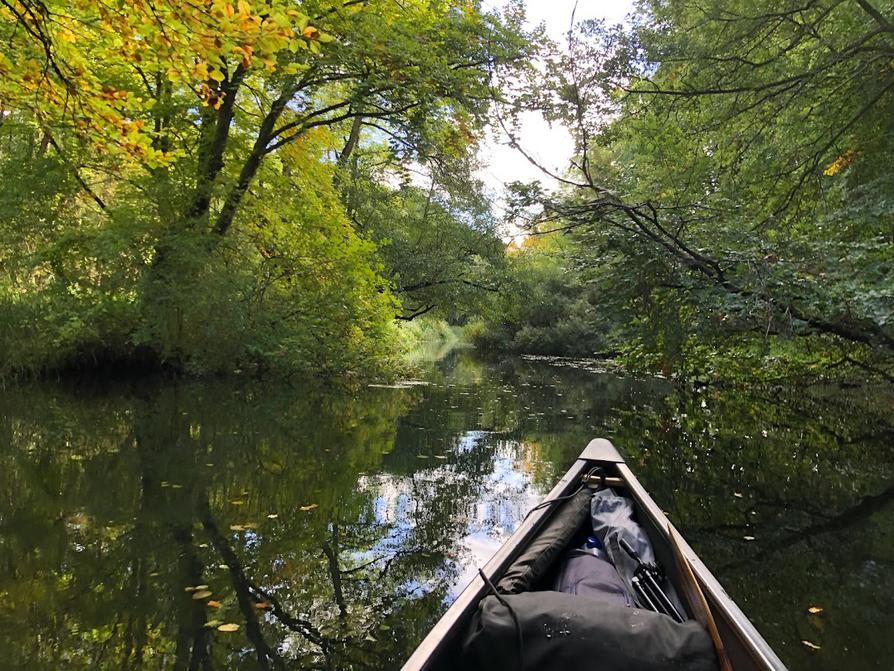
point(194, 185)
point(732, 186)
point(276, 185)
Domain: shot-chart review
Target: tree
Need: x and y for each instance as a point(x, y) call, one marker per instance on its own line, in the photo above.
point(735, 153)
point(177, 133)
point(439, 245)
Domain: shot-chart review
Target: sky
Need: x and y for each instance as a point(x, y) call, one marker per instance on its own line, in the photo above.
point(551, 146)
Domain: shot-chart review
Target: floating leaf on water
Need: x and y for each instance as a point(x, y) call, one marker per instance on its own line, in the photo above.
point(203, 545)
point(176, 486)
point(223, 567)
point(370, 637)
point(422, 456)
point(812, 646)
point(310, 506)
point(212, 623)
point(237, 502)
point(440, 456)
point(209, 465)
point(272, 516)
point(228, 627)
point(738, 495)
point(189, 589)
point(814, 610)
point(748, 538)
point(215, 604)
point(201, 594)
point(154, 574)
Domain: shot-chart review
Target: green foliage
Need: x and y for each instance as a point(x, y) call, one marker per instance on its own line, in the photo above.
point(544, 307)
point(732, 180)
point(183, 204)
point(439, 246)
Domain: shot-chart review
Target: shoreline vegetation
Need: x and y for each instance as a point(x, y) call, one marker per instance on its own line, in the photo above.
point(293, 189)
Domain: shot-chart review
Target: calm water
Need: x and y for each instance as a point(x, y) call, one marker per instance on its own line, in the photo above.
point(335, 527)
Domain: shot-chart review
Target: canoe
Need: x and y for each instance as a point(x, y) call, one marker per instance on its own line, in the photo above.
point(744, 646)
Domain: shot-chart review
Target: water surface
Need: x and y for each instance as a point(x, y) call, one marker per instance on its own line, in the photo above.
point(334, 527)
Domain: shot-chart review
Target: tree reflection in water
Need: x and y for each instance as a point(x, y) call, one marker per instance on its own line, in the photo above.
point(334, 527)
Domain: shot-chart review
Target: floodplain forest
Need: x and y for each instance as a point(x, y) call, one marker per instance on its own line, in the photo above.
point(282, 187)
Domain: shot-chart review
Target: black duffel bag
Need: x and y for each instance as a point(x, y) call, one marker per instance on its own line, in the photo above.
point(546, 631)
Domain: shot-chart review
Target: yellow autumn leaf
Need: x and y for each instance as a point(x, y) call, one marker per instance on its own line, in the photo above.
point(67, 36)
point(201, 594)
point(229, 626)
point(216, 75)
point(812, 646)
point(814, 610)
point(841, 162)
point(214, 604)
point(309, 507)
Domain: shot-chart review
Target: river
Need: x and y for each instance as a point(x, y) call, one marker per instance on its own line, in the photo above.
point(330, 528)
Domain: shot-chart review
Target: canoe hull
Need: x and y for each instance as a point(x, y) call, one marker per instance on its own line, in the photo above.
point(745, 647)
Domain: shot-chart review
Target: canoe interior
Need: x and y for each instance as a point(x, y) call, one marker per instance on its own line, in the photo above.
point(746, 649)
